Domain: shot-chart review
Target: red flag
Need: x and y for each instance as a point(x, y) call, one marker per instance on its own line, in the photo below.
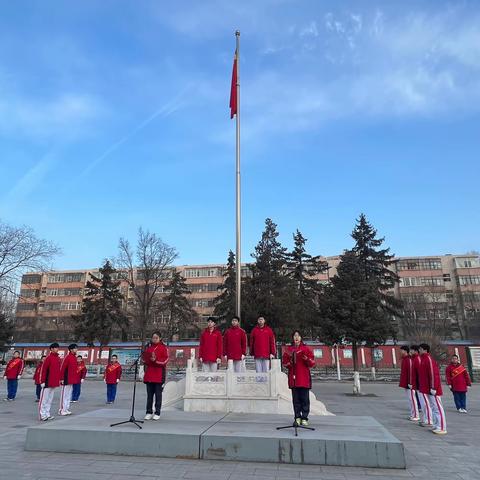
point(233, 91)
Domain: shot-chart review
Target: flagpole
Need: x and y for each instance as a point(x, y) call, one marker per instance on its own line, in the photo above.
point(238, 252)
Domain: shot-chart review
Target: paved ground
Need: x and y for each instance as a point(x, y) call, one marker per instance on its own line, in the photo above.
point(454, 456)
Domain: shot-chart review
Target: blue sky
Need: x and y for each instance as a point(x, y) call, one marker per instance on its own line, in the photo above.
point(114, 115)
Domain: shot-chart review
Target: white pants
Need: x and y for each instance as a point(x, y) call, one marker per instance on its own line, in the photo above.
point(209, 366)
point(412, 402)
point(262, 365)
point(438, 414)
point(426, 409)
point(238, 366)
point(45, 402)
point(65, 398)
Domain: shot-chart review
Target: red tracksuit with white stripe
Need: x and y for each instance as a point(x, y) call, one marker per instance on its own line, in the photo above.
point(50, 379)
point(36, 375)
point(68, 374)
point(407, 382)
point(430, 392)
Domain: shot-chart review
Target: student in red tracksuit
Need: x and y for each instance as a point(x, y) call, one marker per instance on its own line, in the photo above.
point(262, 345)
point(414, 354)
point(81, 373)
point(155, 359)
point(13, 372)
point(430, 388)
point(50, 378)
point(210, 351)
point(111, 377)
point(459, 380)
point(235, 344)
point(406, 382)
point(68, 376)
point(298, 358)
point(37, 380)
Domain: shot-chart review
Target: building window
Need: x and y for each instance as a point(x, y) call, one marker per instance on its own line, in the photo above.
point(469, 280)
point(25, 307)
point(420, 264)
point(31, 279)
point(203, 287)
point(63, 292)
point(201, 303)
point(66, 277)
point(203, 272)
point(467, 262)
point(56, 306)
point(421, 281)
point(29, 293)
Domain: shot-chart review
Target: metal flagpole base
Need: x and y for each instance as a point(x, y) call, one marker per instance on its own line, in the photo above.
point(296, 426)
point(132, 419)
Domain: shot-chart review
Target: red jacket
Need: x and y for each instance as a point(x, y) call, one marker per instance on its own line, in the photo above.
point(113, 372)
point(80, 373)
point(210, 345)
point(68, 370)
point(50, 371)
point(262, 342)
point(406, 372)
point(155, 359)
point(416, 362)
point(14, 368)
point(429, 375)
point(299, 360)
point(235, 343)
point(458, 378)
point(36, 375)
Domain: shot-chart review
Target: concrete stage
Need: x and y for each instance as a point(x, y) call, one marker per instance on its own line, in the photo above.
point(337, 440)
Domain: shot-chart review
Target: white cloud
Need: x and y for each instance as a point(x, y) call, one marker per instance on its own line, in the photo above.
point(310, 30)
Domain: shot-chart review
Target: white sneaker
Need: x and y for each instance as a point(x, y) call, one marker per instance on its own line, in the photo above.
point(463, 410)
point(439, 431)
point(44, 419)
point(156, 417)
point(64, 414)
point(148, 416)
point(69, 412)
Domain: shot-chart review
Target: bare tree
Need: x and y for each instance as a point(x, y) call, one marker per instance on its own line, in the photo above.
point(469, 303)
point(426, 319)
point(146, 269)
point(21, 250)
point(7, 316)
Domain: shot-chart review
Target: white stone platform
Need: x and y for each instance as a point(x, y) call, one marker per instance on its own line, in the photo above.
point(337, 440)
point(227, 391)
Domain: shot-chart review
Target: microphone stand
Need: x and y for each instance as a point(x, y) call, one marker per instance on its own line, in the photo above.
point(132, 418)
point(295, 425)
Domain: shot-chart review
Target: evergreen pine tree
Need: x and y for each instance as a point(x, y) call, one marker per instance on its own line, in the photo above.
point(176, 305)
point(306, 290)
point(102, 314)
point(376, 263)
point(267, 287)
point(353, 312)
point(225, 302)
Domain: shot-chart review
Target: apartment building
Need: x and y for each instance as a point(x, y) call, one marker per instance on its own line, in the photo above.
point(443, 291)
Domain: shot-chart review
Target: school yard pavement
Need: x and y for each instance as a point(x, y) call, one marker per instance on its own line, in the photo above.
point(454, 456)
